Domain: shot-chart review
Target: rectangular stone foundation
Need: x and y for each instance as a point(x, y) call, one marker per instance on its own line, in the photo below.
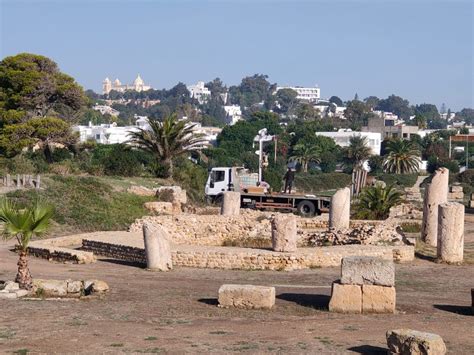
point(129, 247)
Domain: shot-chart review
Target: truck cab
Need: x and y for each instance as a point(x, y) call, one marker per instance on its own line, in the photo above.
point(218, 181)
point(223, 179)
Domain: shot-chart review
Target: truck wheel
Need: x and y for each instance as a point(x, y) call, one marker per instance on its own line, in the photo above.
point(218, 200)
point(306, 208)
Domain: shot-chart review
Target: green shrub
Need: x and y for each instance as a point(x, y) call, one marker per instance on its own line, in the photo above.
point(400, 180)
point(317, 182)
point(434, 163)
point(328, 162)
point(20, 164)
point(86, 203)
point(60, 154)
point(376, 164)
point(411, 227)
point(119, 160)
point(192, 178)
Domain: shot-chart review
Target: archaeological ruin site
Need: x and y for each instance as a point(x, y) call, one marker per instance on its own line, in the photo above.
point(224, 279)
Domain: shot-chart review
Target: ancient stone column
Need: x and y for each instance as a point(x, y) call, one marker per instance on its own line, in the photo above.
point(284, 233)
point(18, 181)
point(340, 209)
point(38, 181)
point(450, 232)
point(435, 193)
point(9, 181)
point(230, 204)
point(157, 248)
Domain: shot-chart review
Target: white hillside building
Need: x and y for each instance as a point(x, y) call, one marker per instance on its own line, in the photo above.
point(311, 94)
point(234, 114)
point(199, 92)
point(342, 138)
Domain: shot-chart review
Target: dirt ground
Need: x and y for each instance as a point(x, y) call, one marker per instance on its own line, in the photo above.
point(176, 312)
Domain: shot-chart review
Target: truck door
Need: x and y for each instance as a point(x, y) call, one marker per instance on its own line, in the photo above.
point(218, 182)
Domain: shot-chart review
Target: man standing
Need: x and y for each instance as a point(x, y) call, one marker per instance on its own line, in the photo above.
point(289, 177)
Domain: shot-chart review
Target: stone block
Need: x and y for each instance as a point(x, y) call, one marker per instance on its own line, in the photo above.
point(246, 296)
point(95, 286)
point(413, 342)
point(456, 188)
point(74, 286)
point(50, 288)
point(378, 299)
point(159, 207)
point(345, 298)
point(141, 191)
point(471, 204)
point(455, 196)
point(367, 270)
point(11, 286)
point(284, 236)
point(8, 295)
point(21, 293)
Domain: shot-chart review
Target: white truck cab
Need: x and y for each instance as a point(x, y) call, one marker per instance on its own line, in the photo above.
point(228, 179)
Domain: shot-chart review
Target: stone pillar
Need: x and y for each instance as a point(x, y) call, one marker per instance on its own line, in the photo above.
point(23, 180)
point(340, 209)
point(230, 204)
point(284, 233)
point(9, 180)
point(157, 248)
point(38, 181)
point(18, 181)
point(450, 232)
point(435, 193)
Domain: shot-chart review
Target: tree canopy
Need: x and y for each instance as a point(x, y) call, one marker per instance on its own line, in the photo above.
point(33, 86)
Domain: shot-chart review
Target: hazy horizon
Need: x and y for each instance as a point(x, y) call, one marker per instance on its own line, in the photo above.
point(420, 51)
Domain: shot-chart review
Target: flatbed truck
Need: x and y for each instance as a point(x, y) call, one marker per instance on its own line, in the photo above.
point(252, 195)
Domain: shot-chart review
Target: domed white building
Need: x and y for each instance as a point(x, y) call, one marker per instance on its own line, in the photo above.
point(137, 85)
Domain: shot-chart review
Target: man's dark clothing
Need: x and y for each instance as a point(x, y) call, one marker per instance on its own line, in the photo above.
point(289, 177)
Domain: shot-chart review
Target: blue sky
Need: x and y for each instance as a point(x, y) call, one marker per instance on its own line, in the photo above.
point(420, 50)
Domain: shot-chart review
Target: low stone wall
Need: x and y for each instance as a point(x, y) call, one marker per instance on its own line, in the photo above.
point(60, 249)
point(217, 230)
point(252, 259)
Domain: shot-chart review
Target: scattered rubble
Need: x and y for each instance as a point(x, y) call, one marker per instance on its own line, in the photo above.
point(380, 234)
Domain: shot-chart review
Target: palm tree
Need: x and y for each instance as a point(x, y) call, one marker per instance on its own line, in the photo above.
point(358, 151)
point(23, 224)
point(402, 157)
point(304, 154)
point(167, 140)
point(374, 202)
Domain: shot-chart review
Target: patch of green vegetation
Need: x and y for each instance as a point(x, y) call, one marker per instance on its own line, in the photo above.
point(21, 351)
point(350, 328)
point(318, 182)
point(411, 227)
point(86, 203)
point(76, 322)
point(151, 351)
point(242, 346)
point(116, 345)
point(257, 242)
point(6, 333)
point(401, 180)
point(151, 338)
point(218, 332)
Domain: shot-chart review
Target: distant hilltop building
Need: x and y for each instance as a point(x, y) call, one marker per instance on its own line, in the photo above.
point(138, 85)
point(311, 94)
